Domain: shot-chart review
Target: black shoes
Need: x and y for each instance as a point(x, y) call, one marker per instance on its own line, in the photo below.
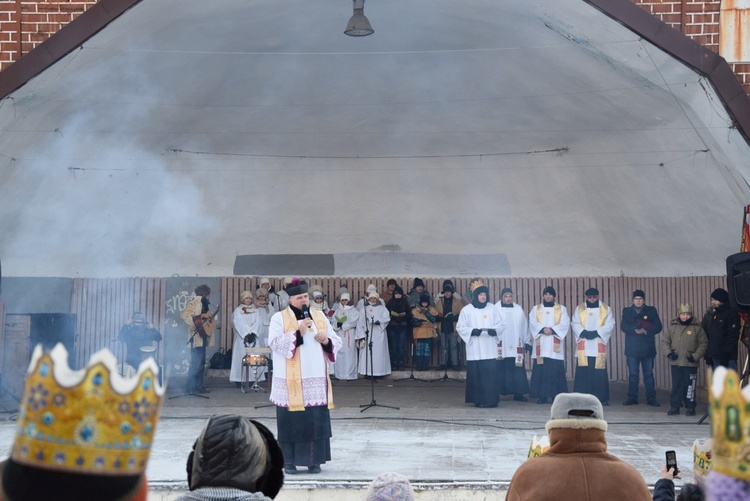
point(520, 398)
point(653, 403)
point(290, 469)
point(313, 469)
point(630, 402)
point(675, 412)
point(542, 401)
point(690, 412)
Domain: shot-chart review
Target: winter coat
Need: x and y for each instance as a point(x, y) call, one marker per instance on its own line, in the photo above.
point(664, 490)
point(640, 345)
point(723, 331)
point(426, 328)
point(402, 310)
point(577, 466)
point(455, 309)
point(685, 340)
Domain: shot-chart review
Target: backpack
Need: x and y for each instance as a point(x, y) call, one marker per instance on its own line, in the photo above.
point(221, 360)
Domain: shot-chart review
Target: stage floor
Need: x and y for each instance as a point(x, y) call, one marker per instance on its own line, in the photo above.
point(433, 438)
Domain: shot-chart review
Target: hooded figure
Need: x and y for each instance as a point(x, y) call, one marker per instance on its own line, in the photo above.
point(234, 458)
point(577, 465)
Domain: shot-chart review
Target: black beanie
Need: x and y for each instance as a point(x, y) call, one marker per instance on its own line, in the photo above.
point(417, 283)
point(639, 293)
point(424, 298)
point(720, 295)
point(448, 286)
point(549, 289)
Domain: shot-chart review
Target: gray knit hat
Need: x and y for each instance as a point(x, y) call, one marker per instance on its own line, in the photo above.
point(390, 487)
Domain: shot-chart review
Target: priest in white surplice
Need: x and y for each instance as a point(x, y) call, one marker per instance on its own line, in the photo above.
point(245, 322)
point(345, 319)
point(303, 343)
point(510, 353)
point(593, 324)
point(549, 324)
point(479, 325)
point(373, 319)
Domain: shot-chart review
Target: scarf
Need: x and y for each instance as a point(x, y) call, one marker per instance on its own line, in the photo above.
point(601, 348)
point(556, 345)
point(293, 365)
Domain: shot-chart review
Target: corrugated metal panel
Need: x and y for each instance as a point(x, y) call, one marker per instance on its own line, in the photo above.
point(102, 306)
point(734, 30)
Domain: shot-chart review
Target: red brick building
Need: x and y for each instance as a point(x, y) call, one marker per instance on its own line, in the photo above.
point(721, 26)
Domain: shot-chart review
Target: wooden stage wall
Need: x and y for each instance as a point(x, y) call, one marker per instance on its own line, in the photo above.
point(102, 306)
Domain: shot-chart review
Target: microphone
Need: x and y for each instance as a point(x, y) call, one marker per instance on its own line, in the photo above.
point(305, 311)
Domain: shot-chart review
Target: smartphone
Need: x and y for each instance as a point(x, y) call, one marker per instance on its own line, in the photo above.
point(672, 462)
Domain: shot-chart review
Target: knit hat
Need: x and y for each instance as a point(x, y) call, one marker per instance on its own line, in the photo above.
point(576, 410)
point(639, 293)
point(139, 317)
point(424, 298)
point(236, 451)
point(391, 282)
point(390, 487)
point(265, 280)
point(246, 295)
point(549, 290)
point(720, 295)
point(398, 290)
point(685, 308)
point(506, 290)
point(448, 286)
point(591, 291)
point(372, 288)
point(261, 292)
point(346, 296)
point(417, 283)
point(373, 294)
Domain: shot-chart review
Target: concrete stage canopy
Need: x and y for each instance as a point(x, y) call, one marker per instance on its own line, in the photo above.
point(489, 137)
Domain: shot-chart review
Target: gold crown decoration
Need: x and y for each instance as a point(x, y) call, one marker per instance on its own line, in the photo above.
point(87, 421)
point(730, 423)
point(702, 458)
point(475, 282)
point(538, 446)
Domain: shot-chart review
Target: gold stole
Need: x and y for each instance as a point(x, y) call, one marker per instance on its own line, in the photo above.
point(556, 342)
point(601, 348)
point(293, 365)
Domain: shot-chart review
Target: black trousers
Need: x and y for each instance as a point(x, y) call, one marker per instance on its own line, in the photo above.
point(196, 370)
point(684, 382)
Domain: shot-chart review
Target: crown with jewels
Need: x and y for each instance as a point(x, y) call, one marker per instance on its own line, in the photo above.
point(538, 446)
point(88, 421)
point(702, 458)
point(475, 283)
point(730, 423)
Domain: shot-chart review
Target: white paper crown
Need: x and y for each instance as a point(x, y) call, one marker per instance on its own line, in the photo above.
point(538, 446)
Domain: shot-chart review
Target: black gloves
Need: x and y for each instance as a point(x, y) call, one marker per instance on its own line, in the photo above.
point(691, 359)
point(476, 332)
point(528, 348)
point(339, 324)
point(589, 334)
point(377, 322)
point(300, 339)
point(449, 315)
point(672, 355)
point(492, 332)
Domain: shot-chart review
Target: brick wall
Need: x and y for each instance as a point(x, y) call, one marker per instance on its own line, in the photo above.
point(698, 19)
point(24, 24)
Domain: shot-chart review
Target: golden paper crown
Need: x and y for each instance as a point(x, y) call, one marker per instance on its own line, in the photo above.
point(538, 446)
point(87, 421)
point(702, 458)
point(475, 282)
point(730, 423)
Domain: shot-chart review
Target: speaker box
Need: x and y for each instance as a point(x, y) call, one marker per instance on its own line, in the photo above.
point(738, 280)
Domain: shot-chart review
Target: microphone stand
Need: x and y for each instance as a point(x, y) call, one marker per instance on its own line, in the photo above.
point(411, 375)
point(369, 343)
